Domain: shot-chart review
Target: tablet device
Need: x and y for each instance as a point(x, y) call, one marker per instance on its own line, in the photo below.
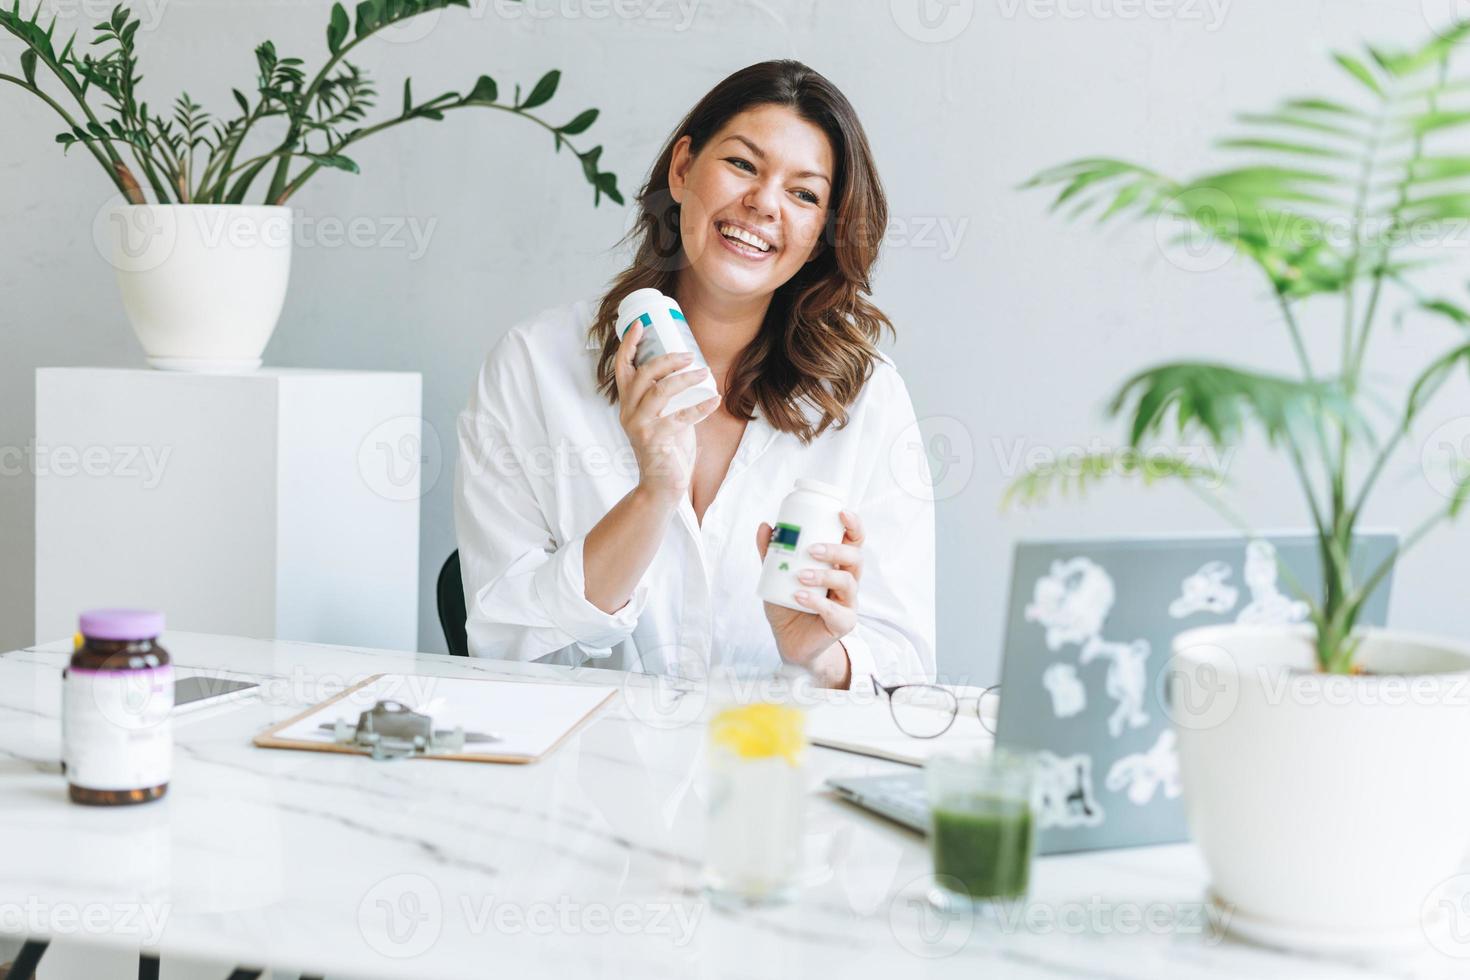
point(193, 693)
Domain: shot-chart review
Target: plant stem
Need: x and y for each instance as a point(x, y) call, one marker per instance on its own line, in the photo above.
point(1235, 520)
point(1295, 331)
point(72, 126)
point(360, 134)
point(1414, 537)
point(224, 162)
point(123, 175)
point(145, 164)
point(1377, 468)
point(275, 193)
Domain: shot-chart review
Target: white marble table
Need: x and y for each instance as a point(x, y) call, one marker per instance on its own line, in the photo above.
point(583, 865)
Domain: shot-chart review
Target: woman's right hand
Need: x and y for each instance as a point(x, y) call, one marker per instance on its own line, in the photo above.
point(663, 446)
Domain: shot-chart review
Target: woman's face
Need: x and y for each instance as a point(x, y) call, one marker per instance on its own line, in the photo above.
point(766, 176)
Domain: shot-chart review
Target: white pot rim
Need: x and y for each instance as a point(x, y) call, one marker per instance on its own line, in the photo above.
point(1305, 633)
point(270, 208)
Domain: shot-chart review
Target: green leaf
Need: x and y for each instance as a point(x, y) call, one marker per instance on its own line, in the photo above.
point(485, 90)
point(589, 163)
point(1437, 207)
point(607, 183)
point(1445, 308)
point(1288, 120)
point(1221, 400)
point(367, 17)
point(1428, 122)
point(1359, 71)
point(544, 90)
point(241, 101)
point(334, 160)
point(1076, 477)
point(1427, 169)
point(1326, 106)
point(579, 124)
point(28, 64)
point(1433, 378)
point(1282, 146)
point(407, 96)
point(1461, 497)
point(337, 28)
point(1433, 53)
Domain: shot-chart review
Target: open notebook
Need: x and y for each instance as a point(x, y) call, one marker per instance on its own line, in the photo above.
point(866, 727)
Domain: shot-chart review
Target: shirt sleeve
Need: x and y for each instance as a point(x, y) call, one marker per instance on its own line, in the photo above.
point(525, 591)
point(894, 637)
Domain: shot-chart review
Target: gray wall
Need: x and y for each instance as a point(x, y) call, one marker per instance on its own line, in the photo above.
point(1013, 327)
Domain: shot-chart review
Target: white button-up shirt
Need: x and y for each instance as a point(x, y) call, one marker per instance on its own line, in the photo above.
point(543, 458)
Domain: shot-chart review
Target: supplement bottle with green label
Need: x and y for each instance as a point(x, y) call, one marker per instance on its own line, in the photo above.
point(665, 331)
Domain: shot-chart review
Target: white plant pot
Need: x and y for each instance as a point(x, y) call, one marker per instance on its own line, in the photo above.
point(1330, 809)
point(202, 284)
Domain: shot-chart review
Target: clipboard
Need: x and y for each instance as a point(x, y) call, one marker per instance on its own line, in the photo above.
point(528, 718)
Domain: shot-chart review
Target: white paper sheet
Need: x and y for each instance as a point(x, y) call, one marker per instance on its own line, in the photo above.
point(529, 717)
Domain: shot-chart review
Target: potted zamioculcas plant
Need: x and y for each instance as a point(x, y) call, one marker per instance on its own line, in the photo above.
point(202, 270)
point(1324, 765)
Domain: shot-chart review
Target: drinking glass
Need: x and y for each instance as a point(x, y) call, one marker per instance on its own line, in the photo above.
point(982, 827)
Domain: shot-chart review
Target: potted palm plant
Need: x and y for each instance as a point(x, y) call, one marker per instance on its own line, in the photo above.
point(203, 272)
point(1323, 766)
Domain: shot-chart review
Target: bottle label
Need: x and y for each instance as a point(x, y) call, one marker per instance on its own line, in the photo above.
point(115, 727)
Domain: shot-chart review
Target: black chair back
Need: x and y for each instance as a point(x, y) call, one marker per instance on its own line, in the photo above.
point(450, 594)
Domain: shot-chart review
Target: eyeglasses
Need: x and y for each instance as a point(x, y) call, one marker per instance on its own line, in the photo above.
point(928, 710)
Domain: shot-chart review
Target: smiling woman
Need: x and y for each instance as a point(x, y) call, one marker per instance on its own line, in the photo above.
point(638, 542)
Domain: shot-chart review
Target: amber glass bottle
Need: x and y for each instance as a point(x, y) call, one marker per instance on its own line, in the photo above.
point(117, 693)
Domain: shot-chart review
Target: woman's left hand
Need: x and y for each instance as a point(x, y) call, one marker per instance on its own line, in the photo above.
point(809, 638)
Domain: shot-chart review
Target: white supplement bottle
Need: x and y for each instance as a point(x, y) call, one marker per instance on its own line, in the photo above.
point(810, 514)
point(665, 331)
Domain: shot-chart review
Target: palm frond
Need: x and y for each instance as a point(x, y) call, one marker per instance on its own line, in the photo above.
point(1221, 401)
point(1076, 476)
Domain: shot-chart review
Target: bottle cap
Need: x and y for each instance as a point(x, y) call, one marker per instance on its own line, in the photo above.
point(637, 302)
point(121, 624)
point(817, 486)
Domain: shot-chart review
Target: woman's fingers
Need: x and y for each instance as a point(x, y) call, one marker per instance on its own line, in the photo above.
point(846, 556)
point(841, 585)
point(624, 367)
point(838, 618)
point(763, 539)
point(695, 414)
point(651, 373)
point(854, 528)
point(656, 398)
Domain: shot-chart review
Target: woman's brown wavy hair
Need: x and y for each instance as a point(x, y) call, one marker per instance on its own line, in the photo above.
point(816, 348)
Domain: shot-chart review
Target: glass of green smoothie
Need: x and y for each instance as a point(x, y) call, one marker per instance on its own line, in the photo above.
point(982, 827)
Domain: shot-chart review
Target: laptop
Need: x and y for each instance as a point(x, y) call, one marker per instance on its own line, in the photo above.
point(1088, 631)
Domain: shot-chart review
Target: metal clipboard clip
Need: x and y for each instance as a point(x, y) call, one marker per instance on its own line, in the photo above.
point(391, 730)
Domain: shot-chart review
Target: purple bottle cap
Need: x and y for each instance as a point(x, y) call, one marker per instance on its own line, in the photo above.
point(121, 624)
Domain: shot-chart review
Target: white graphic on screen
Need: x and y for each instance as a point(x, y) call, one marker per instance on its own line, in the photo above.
point(1205, 591)
point(1145, 773)
point(1068, 694)
point(1268, 606)
point(1072, 601)
point(1064, 791)
point(1127, 680)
